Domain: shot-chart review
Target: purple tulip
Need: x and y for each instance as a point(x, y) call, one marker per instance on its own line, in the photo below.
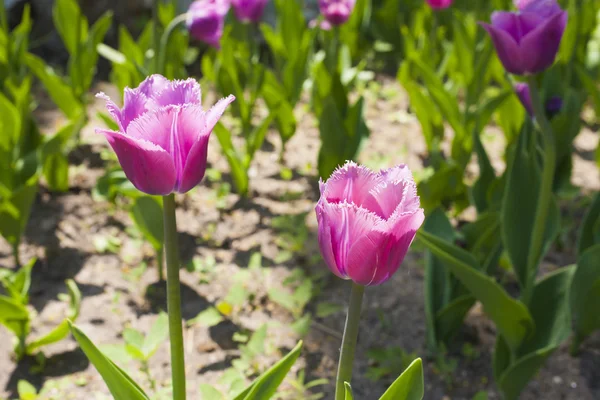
point(163, 134)
point(553, 105)
point(367, 221)
point(206, 20)
point(439, 4)
point(527, 41)
point(249, 10)
point(336, 11)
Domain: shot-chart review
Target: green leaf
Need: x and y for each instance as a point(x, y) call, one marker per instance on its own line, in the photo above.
point(409, 385)
point(208, 392)
point(437, 279)
point(590, 228)
point(449, 319)
point(56, 172)
point(239, 172)
point(121, 386)
point(585, 293)
point(14, 211)
point(348, 391)
point(159, 333)
point(267, 383)
point(207, 318)
point(26, 390)
point(60, 92)
point(10, 124)
point(550, 311)
point(62, 330)
point(70, 24)
point(55, 335)
point(11, 310)
point(146, 212)
point(511, 317)
point(519, 207)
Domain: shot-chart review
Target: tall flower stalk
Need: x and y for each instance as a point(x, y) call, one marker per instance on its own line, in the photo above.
point(162, 145)
point(174, 298)
point(545, 193)
point(367, 222)
point(346, 362)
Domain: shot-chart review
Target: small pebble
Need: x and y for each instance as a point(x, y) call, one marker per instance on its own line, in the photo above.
point(557, 380)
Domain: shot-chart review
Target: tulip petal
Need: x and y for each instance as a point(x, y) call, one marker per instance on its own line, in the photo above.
point(343, 225)
point(350, 183)
point(153, 84)
point(113, 110)
point(134, 105)
point(366, 255)
point(149, 167)
point(541, 44)
point(214, 114)
point(193, 141)
point(155, 126)
point(394, 197)
point(507, 48)
point(403, 229)
point(325, 236)
point(178, 92)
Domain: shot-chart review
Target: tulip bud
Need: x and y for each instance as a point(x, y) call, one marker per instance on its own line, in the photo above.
point(336, 11)
point(439, 4)
point(552, 106)
point(367, 221)
point(249, 10)
point(206, 20)
point(162, 141)
point(527, 41)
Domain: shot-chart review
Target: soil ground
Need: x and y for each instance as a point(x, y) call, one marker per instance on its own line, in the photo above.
point(64, 230)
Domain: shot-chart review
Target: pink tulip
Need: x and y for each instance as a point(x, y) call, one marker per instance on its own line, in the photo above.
point(206, 20)
point(249, 10)
point(367, 221)
point(439, 4)
point(163, 134)
point(336, 11)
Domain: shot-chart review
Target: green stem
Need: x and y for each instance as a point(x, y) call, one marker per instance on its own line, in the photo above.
point(16, 256)
point(545, 193)
point(164, 42)
point(160, 256)
point(349, 341)
point(575, 344)
point(174, 298)
point(156, 36)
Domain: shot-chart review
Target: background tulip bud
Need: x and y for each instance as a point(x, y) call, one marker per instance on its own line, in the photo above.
point(163, 134)
point(206, 20)
point(439, 4)
point(553, 105)
point(527, 41)
point(249, 10)
point(336, 11)
point(367, 221)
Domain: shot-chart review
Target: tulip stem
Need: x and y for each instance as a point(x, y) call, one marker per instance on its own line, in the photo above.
point(164, 42)
point(155, 35)
point(349, 341)
point(545, 192)
point(174, 298)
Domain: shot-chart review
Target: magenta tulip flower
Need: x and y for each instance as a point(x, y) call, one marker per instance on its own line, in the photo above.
point(336, 11)
point(553, 105)
point(163, 134)
point(367, 221)
point(206, 20)
point(439, 4)
point(249, 10)
point(527, 41)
